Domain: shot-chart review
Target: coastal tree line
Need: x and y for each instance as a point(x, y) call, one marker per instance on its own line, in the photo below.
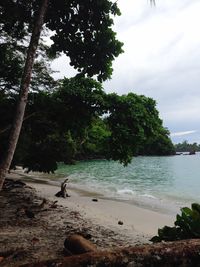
point(78, 120)
point(83, 31)
point(185, 146)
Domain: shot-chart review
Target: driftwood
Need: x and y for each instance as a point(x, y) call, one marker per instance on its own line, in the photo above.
point(63, 191)
point(76, 244)
point(10, 184)
point(184, 253)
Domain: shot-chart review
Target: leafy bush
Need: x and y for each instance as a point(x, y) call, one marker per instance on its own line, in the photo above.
point(187, 225)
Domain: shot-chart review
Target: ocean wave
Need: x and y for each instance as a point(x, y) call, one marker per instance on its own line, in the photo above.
point(125, 192)
point(149, 196)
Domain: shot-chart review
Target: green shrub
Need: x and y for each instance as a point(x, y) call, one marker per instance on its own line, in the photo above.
point(187, 225)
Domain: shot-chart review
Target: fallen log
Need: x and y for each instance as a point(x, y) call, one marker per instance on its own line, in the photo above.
point(77, 244)
point(183, 253)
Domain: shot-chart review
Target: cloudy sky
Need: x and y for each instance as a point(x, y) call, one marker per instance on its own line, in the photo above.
point(161, 60)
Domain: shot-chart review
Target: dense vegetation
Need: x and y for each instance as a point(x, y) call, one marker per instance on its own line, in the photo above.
point(78, 120)
point(81, 29)
point(187, 147)
point(73, 118)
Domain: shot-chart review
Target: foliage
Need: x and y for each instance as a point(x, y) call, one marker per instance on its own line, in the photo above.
point(56, 123)
point(95, 144)
point(133, 120)
point(43, 156)
point(78, 120)
point(12, 54)
point(10, 67)
point(78, 98)
point(187, 225)
point(82, 30)
point(187, 147)
point(158, 144)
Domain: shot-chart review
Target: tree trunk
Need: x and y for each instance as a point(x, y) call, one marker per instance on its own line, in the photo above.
point(10, 125)
point(183, 253)
point(23, 96)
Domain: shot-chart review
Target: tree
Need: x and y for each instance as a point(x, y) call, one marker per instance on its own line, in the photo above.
point(158, 144)
point(83, 32)
point(96, 141)
point(132, 120)
point(58, 129)
point(26, 77)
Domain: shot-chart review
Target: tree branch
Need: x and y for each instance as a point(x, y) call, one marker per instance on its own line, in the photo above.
point(10, 125)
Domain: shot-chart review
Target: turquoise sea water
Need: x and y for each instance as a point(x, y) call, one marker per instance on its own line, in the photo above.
point(171, 181)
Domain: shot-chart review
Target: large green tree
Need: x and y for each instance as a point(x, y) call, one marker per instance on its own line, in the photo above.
point(82, 31)
point(133, 122)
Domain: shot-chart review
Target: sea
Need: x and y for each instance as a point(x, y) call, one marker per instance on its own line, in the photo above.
point(164, 183)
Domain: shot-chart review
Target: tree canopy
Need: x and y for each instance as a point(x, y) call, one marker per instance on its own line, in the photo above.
point(73, 118)
point(12, 56)
point(136, 128)
point(78, 120)
point(81, 29)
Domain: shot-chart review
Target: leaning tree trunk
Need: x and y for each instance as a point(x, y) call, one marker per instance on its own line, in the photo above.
point(23, 96)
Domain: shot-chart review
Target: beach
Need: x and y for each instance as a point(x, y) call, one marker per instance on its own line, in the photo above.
point(107, 212)
point(107, 223)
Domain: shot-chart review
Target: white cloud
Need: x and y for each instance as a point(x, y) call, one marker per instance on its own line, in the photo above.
point(183, 133)
point(161, 58)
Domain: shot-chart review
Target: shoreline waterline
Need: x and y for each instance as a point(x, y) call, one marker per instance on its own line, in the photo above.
point(156, 182)
point(147, 203)
point(137, 219)
point(144, 202)
point(171, 181)
point(154, 186)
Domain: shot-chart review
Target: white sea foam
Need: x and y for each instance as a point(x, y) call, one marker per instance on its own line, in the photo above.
point(148, 179)
point(149, 196)
point(125, 192)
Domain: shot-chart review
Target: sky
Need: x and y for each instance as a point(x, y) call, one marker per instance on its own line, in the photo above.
point(161, 60)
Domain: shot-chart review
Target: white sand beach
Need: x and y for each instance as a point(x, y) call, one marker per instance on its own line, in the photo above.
point(109, 212)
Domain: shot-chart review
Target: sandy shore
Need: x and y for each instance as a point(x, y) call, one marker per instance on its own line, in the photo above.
point(24, 239)
point(136, 220)
point(107, 212)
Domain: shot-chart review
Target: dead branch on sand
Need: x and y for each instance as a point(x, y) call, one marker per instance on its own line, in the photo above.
point(63, 191)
